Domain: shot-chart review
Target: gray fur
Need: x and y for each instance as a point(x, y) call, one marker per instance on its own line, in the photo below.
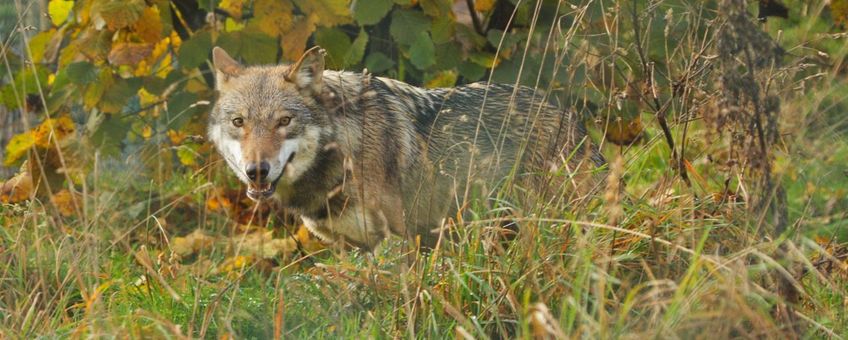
point(377, 156)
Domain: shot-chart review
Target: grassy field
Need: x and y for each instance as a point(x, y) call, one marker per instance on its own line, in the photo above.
point(119, 254)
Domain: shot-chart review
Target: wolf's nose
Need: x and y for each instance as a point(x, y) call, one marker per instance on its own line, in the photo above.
point(258, 173)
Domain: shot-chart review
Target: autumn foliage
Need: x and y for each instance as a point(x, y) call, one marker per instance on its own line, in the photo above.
point(722, 121)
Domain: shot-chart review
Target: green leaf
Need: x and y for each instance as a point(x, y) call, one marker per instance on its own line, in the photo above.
point(469, 38)
point(443, 29)
point(252, 46)
point(38, 44)
point(422, 53)
point(509, 41)
point(116, 96)
point(195, 51)
point(471, 71)
point(25, 82)
point(116, 15)
point(108, 134)
point(81, 72)
point(9, 98)
point(357, 49)
point(187, 154)
point(336, 43)
point(155, 85)
point(377, 62)
point(59, 10)
point(441, 79)
point(180, 108)
point(448, 56)
point(370, 12)
point(406, 24)
point(484, 59)
point(331, 12)
point(165, 16)
point(436, 8)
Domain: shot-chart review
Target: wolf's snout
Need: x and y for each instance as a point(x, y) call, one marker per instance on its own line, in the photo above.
point(258, 172)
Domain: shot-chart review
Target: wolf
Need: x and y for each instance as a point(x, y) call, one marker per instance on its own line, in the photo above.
point(360, 157)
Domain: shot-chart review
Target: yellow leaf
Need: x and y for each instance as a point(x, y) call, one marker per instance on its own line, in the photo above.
point(160, 48)
point(38, 44)
point(262, 244)
point(146, 98)
point(273, 17)
point(443, 79)
point(149, 26)
point(329, 12)
point(146, 132)
point(176, 41)
point(233, 7)
point(483, 5)
point(18, 147)
point(310, 243)
point(235, 263)
point(165, 67)
point(294, 41)
point(59, 10)
point(231, 25)
point(141, 69)
point(196, 86)
point(192, 243)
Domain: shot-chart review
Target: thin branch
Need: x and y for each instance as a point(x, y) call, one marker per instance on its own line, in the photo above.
point(661, 110)
point(474, 19)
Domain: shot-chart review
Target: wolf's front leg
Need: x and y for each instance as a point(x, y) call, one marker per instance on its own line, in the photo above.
point(362, 228)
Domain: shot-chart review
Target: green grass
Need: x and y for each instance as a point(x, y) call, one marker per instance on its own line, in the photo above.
point(703, 272)
point(680, 262)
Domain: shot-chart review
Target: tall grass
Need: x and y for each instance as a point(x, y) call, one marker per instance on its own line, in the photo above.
point(650, 256)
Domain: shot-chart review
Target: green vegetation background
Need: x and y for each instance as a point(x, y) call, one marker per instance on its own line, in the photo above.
point(134, 228)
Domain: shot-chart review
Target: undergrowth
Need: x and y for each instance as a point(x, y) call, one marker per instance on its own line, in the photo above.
point(656, 255)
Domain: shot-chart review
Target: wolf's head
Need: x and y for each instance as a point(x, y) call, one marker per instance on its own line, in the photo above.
point(266, 123)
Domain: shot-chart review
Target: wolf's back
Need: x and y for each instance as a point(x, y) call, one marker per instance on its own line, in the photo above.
point(500, 124)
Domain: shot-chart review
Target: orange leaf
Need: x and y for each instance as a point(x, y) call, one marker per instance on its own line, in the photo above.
point(16, 189)
point(691, 169)
point(294, 42)
point(58, 128)
point(149, 26)
point(64, 201)
point(624, 131)
point(483, 5)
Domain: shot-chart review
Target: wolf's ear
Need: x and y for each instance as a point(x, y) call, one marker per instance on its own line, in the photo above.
point(225, 67)
point(307, 72)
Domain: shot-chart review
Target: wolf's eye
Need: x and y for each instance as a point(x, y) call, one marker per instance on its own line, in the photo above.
point(238, 122)
point(284, 121)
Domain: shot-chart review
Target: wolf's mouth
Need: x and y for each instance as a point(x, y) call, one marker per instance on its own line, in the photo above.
point(263, 190)
point(260, 191)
